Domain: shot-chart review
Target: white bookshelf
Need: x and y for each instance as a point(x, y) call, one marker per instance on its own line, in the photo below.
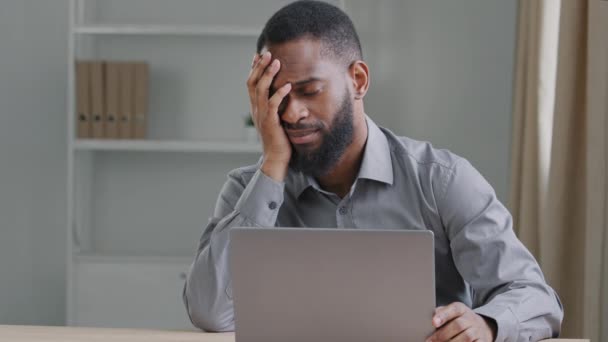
point(160, 30)
point(136, 208)
point(167, 146)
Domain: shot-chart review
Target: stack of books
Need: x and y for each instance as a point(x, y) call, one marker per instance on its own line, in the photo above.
point(111, 99)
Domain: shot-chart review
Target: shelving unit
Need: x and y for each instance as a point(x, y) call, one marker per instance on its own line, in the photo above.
point(166, 30)
point(136, 208)
point(167, 146)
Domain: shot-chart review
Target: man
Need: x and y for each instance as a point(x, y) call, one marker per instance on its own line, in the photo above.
point(326, 164)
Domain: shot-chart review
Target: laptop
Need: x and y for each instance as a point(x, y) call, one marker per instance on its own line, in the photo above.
point(338, 285)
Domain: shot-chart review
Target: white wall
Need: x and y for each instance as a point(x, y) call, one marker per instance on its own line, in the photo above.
point(442, 71)
point(32, 160)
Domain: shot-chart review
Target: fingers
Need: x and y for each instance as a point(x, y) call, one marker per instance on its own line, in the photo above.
point(457, 322)
point(262, 89)
point(263, 84)
point(259, 64)
point(468, 335)
point(447, 313)
point(452, 329)
point(276, 99)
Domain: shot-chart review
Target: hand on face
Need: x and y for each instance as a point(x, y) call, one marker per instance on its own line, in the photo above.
point(458, 323)
point(264, 111)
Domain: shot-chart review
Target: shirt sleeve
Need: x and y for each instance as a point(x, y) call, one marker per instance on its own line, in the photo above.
point(506, 281)
point(207, 292)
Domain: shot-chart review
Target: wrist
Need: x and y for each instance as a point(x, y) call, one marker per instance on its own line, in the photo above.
point(275, 169)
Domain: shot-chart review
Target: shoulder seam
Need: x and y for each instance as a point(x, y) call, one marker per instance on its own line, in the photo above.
point(434, 162)
point(393, 147)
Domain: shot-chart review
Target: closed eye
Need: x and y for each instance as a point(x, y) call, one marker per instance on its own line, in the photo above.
point(310, 93)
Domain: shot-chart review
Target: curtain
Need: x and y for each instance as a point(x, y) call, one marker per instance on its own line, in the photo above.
point(559, 154)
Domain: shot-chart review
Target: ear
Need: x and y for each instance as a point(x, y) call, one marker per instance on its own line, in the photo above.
point(359, 75)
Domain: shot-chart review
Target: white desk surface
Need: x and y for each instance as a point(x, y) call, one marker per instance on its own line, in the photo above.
point(29, 333)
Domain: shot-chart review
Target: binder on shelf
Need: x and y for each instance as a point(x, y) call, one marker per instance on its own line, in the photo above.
point(83, 109)
point(97, 99)
point(112, 92)
point(141, 100)
point(126, 100)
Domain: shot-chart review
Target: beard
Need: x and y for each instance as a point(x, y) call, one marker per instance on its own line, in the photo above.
point(334, 142)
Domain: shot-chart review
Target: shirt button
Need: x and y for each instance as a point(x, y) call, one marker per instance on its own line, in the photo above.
point(272, 205)
point(343, 210)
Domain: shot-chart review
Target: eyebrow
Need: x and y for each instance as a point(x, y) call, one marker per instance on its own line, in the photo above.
point(298, 83)
point(306, 81)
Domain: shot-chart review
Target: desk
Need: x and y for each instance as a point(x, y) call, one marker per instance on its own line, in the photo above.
point(26, 333)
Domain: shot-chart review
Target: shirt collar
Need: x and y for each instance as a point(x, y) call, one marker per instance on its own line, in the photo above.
point(376, 164)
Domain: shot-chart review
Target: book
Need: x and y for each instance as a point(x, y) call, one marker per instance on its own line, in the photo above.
point(125, 113)
point(83, 108)
point(96, 72)
point(141, 100)
point(112, 104)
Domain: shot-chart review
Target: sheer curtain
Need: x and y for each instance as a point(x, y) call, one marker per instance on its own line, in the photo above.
point(559, 153)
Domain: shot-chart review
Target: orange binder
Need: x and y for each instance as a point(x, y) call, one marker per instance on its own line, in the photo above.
point(126, 100)
point(141, 100)
point(97, 99)
point(83, 109)
point(112, 92)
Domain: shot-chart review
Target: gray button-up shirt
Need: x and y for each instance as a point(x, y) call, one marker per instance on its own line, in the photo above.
point(402, 184)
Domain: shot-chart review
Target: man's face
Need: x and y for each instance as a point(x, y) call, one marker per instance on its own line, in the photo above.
point(317, 114)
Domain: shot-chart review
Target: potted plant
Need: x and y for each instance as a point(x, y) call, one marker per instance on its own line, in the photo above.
point(251, 133)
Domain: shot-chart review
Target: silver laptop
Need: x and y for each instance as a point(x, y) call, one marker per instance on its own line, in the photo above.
point(297, 284)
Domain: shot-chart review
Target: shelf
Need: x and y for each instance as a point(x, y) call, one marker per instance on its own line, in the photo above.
point(122, 259)
point(166, 146)
point(167, 30)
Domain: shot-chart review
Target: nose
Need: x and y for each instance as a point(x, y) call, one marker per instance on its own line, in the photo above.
point(292, 110)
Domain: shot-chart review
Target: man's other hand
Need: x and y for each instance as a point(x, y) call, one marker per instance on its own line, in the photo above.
point(458, 323)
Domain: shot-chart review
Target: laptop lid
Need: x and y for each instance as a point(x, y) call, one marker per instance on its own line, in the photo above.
point(302, 284)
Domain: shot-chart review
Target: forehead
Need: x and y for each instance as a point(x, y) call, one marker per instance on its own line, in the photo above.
point(302, 59)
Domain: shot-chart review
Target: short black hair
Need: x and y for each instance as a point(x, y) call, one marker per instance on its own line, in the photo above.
point(316, 20)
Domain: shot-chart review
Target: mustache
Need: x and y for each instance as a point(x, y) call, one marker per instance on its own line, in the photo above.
point(302, 126)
